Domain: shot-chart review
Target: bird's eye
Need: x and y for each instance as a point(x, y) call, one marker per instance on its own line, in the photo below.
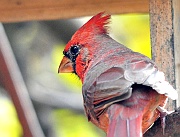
point(74, 50)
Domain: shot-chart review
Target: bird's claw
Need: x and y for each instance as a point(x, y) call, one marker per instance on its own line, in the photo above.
point(163, 114)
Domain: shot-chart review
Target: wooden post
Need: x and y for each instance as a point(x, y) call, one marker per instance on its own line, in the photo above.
point(176, 22)
point(162, 40)
point(165, 34)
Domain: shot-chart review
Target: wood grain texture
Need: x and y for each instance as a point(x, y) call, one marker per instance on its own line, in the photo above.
point(176, 22)
point(162, 39)
point(23, 10)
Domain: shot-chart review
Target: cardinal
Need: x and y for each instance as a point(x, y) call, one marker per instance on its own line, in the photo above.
point(123, 91)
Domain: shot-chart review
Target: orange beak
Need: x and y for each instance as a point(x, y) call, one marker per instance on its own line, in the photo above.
point(66, 66)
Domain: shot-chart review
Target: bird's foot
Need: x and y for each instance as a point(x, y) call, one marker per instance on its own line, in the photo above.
point(163, 114)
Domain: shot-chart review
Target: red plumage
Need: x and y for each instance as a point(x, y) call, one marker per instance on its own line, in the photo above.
point(96, 25)
point(123, 91)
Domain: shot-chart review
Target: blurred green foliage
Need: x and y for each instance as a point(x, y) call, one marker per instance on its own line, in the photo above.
point(9, 124)
point(133, 31)
point(72, 124)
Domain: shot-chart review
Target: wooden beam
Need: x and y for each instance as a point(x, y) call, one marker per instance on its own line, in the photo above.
point(12, 81)
point(162, 39)
point(24, 10)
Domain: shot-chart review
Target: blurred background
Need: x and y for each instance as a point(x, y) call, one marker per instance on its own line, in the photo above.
point(57, 98)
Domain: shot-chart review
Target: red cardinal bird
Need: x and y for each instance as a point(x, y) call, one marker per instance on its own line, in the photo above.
point(123, 91)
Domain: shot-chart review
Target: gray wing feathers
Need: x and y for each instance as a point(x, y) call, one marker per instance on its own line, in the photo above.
point(138, 71)
point(112, 84)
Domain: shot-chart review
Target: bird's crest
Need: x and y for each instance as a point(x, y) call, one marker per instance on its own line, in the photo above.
point(96, 25)
point(99, 21)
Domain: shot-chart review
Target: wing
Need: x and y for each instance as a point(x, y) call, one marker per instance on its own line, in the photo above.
point(113, 85)
point(109, 84)
point(142, 72)
point(108, 88)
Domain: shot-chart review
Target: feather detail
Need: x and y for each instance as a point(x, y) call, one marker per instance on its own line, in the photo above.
point(157, 81)
point(99, 22)
point(96, 25)
point(123, 127)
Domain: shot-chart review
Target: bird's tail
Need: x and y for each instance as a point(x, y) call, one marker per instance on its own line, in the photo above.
point(124, 126)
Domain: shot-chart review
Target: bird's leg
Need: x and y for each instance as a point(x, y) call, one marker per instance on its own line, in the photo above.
point(163, 114)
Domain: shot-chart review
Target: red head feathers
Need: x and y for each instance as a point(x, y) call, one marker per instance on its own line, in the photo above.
point(96, 25)
point(81, 40)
